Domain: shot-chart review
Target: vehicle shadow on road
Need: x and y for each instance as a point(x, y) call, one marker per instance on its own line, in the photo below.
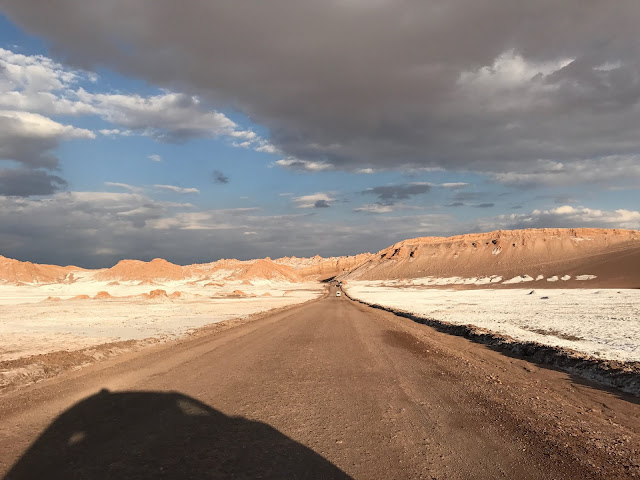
point(139, 435)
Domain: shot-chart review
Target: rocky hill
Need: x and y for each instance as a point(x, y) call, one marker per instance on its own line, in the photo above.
point(16, 272)
point(611, 255)
point(136, 270)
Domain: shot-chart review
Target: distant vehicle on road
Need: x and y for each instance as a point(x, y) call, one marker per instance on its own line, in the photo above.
point(338, 294)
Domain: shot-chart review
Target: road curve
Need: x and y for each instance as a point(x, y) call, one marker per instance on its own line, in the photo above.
point(329, 389)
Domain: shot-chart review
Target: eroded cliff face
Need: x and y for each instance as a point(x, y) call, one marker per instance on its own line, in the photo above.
point(334, 266)
point(507, 252)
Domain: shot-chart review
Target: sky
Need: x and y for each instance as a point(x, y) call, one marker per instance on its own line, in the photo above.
point(226, 129)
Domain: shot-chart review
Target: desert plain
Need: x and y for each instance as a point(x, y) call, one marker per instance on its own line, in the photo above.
point(526, 341)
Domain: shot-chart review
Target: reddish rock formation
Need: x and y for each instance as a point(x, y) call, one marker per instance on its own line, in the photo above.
point(102, 295)
point(268, 270)
point(612, 255)
point(16, 272)
point(136, 270)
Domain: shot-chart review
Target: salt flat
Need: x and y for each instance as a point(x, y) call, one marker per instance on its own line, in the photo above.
point(43, 318)
point(599, 322)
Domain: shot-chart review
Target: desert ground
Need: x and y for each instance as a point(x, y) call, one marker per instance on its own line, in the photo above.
point(602, 323)
point(500, 355)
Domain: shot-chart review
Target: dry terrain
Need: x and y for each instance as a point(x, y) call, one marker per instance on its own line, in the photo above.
point(330, 389)
point(239, 369)
point(602, 323)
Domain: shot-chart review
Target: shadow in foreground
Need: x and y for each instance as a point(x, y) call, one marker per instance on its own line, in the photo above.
point(139, 435)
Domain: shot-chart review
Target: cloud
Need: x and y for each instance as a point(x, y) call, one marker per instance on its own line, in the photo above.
point(317, 200)
point(303, 165)
point(30, 139)
point(622, 188)
point(93, 210)
point(37, 84)
point(155, 157)
point(33, 83)
point(73, 227)
point(266, 147)
point(398, 192)
point(569, 216)
point(180, 190)
point(485, 205)
point(125, 186)
point(456, 204)
point(589, 171)
point(97, 229)
point(113, 132)
point(384, 207)
point(26, 182)
point(558, 199)
point(168, 117)
point(471, 196)
point(374, 208)
point(523, 83)
point(219, 178)
point(205, 220)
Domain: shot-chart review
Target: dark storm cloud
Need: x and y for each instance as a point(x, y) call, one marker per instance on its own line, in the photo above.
point(321, 204)
point(389, 193)
point(218, 177)
point(30, 139)
point(486, 85)
point(24, 183)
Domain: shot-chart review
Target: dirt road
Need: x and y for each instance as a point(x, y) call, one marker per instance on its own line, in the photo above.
point(329, 389)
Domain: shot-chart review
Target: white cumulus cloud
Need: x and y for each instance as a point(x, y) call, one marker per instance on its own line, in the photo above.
point(175, 189)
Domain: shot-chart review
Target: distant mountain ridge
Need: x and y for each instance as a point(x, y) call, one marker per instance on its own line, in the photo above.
point(288, 269)
point(611, 255)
